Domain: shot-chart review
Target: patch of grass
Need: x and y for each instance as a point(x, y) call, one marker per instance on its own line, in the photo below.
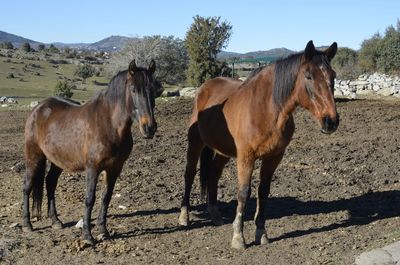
point(38, 86)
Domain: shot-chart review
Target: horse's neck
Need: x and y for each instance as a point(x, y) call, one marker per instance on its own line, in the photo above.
point(261, 87)
point(119, 111)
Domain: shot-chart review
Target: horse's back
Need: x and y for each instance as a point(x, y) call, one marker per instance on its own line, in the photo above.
point(49, 128)
point(216, 91)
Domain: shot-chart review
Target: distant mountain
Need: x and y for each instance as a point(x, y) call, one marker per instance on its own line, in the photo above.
point(111, 43)
point(16, 40)
point(116, 43)
point(272, 53)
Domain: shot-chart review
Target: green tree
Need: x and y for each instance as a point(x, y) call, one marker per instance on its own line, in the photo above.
point(26, 47)
point(389, 59)
point(345, 63)
point(85, 71)
point(204, 40)
point(64, 89)
point(41, 47)
point(370, 53)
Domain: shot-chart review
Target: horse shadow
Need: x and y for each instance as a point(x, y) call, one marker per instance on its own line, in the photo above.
point(362, 210)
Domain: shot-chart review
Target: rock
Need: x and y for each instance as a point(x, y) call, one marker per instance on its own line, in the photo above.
point(123, 207)
point(337, 93)
point(375, 257)
point(174, 93)
point(385, 92)
point(18, 167)
point(13, 225)
point(188, 92)
point(79, 224)
point(33, 104)
point(358, 83)
point(365, 92)
point(394, 250)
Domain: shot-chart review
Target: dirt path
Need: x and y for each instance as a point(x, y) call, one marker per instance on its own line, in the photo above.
point(333, 197)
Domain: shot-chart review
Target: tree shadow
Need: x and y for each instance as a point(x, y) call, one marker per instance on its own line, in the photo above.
point(362, 210)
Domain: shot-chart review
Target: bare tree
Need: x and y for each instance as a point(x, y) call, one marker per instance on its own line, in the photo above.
point(168, 52)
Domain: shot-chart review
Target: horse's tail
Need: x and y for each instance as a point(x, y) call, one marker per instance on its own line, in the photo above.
point(37, 189)
point(205, 163)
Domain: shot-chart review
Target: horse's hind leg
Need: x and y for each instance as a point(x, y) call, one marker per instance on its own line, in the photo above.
point(51, 184)
point(268, 167)
point(111, 178)
point(35, 168)
point(195, 145)
point(217, 165)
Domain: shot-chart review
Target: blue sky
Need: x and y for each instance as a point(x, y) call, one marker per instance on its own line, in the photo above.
point(257, 24)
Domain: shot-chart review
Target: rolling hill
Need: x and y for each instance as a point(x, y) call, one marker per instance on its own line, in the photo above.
point(16, 40)
point(115, 43)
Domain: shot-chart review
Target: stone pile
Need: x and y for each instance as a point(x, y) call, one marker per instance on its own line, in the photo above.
point(369, 85)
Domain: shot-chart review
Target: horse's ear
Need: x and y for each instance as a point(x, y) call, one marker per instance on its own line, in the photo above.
point(132, 67)
point(331, 51)
point(309, 50)
point(152, 66)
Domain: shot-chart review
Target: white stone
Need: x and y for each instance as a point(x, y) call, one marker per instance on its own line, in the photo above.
point(33, 104)
point(385, 92)
point(375, 257)
point(79, 224)
point(188, 92)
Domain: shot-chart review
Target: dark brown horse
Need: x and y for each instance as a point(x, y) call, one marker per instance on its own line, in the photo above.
point(94, 137)
point(253, 120)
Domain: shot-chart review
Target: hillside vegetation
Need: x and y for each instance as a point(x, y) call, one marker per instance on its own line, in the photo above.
point(34, 75)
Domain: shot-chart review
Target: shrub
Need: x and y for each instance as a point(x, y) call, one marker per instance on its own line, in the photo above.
point(26, 47)
point(53, 49)
point(64, 89)
point(41, 47)
point(7, 45)
point(85, 71)
point(345, 63)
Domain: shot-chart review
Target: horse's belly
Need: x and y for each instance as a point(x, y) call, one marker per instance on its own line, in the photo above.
point(218, 137)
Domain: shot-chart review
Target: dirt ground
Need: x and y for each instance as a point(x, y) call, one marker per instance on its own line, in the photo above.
point(332, 197)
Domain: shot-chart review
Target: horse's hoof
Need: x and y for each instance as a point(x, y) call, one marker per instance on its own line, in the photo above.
point(238, 243)
point(261, 238)
point(103, 236)
point(215, 215)
point(184, 219)
point(88, 242)
point(57, 225)
point(217, 221)
point(27, 228)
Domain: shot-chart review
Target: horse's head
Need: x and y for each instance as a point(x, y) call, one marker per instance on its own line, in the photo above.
point(315, 84)
point(143, 88)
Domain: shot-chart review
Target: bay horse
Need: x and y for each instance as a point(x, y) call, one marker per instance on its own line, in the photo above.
point(253, 120)
point(93, 137)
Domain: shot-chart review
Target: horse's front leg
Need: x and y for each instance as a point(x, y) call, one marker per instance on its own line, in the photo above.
point(111, 178)
point(91, 181)
point(268, 167)
point(245, 165)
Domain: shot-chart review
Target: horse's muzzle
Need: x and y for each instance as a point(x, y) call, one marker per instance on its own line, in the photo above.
point(148, 131)
point(328, 125)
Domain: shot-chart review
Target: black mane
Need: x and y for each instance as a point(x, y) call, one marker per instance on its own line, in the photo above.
point(285, 77)
point(116, 88)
